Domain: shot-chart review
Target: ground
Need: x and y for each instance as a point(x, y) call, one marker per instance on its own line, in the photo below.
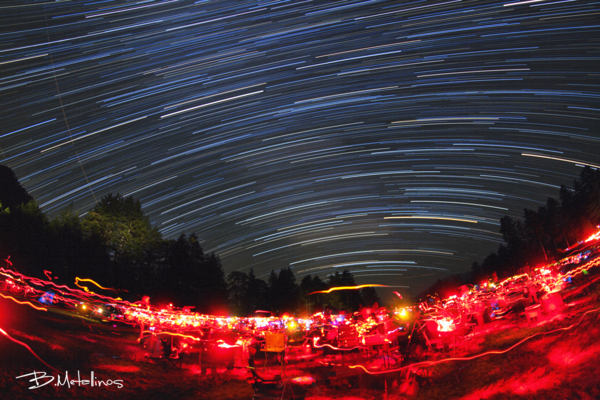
point(556, 358)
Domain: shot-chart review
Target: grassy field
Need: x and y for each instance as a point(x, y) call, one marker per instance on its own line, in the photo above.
point(556, 363)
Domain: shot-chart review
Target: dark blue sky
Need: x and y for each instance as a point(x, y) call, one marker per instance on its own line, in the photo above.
point(384, 137)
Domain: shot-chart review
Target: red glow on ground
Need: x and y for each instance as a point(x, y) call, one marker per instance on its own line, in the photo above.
point(119, 368)
point(26, 336)
point(336, 398)
point(195, 369)
point(87, 339)
point(528, 383)
point(36, 339)
point(568, 357)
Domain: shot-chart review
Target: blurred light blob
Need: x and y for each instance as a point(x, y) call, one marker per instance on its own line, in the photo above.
point(304, 380)
point(47, 298)
point(446, 325)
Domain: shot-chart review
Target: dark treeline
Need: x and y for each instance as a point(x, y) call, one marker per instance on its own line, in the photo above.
point(115, 245)
point(282, 294)
point(541, 236)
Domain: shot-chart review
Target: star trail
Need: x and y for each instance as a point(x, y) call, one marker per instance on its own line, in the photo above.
point(386, 137)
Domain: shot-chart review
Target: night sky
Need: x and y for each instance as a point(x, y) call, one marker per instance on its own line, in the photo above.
point(385, 137)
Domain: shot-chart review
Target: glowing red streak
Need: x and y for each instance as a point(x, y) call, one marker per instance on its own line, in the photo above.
point(339, 348)
point(347, 288)
point(27, 347)
point(593, 237)
point(392, 331)
point(586, 266)
point(174, 334)
point(39, 282)
point(24, 302)
point(512, 278)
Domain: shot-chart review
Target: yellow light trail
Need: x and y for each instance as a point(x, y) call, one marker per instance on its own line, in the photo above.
point(78, 280)
point(24, 302)
point(347, 288)
point(174, 334)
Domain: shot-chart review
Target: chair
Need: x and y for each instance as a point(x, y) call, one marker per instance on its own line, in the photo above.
point(275, 343)
point(533, 313)
point(432, 336)
point(154, 346)
point(163, 351)
point(347, 338)
point(273, 388)
point(172, 356)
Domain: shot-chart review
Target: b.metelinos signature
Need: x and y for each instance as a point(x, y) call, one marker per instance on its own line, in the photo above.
point(41, 378)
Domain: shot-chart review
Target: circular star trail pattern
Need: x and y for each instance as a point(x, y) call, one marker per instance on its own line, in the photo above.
point(385, 137)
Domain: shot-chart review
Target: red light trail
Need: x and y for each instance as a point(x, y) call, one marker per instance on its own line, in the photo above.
point(28, 348)
point(173, 334)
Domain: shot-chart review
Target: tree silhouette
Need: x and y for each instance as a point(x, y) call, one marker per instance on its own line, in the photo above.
point(121, 226)
point(547, 233)
point(343, 299)
point(369, 296)
point(284, 291)
point(534, 226)
point(311, 303)
point(258, 293)
point(238, 288)
point(587, 190)
point(12, 194)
